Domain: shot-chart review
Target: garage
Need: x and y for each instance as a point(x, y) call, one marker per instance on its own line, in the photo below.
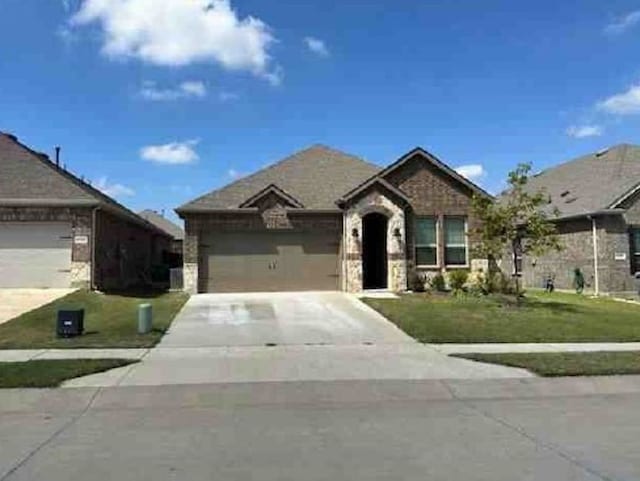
point(35, 254)
point(269, 261)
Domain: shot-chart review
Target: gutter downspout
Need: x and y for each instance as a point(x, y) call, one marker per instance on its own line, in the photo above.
point(594, 235)
point(344, 251)
point(92, 281)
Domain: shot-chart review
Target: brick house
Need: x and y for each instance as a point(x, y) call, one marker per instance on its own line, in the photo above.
point(325, 220)
point(597, 196)
point(58, 231)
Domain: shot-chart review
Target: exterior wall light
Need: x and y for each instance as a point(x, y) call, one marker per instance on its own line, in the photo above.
point(354, 233)
point(396, 233)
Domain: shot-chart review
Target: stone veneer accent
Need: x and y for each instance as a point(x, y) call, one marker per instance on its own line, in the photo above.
point(375, 201)
point(190, 277)
point(81, 275)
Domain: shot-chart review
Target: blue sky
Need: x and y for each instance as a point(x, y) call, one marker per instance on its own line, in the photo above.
point(157, 101)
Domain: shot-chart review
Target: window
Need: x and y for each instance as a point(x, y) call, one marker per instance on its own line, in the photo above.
point(455, 241)
point(635, 248)
point(426, 242)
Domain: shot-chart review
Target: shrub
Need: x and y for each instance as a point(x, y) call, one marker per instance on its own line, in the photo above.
point(457, 279)
point(477, 283)
point(417, 282)
point(438, 283)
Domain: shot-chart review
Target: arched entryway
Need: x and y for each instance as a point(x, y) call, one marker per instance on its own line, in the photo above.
point(374, 251)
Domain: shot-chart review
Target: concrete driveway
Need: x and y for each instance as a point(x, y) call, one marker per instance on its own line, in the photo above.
point(301, 336)
point(14, 302)
point(283, 318)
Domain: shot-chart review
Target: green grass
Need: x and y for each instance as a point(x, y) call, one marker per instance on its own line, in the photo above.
point(51, 373)
point(110, 322)
point(541, 317)
point(566, 363)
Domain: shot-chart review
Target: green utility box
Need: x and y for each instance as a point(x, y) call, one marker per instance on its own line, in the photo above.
point(145, 318)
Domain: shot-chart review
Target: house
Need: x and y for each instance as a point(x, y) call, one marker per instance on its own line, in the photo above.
point(56, 230)
point(322, 219)
point(161, 222)
point(598, 222)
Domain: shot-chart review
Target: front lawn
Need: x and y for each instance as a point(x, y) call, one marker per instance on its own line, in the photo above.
point(110, 321)
point(566, 363)
point(541, 317)
point(52, 372)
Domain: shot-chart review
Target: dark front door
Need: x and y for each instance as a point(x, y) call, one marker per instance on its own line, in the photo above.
point(374, 251)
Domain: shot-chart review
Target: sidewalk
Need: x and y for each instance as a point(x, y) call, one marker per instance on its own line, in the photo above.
point(536, 347)
point(18, 355)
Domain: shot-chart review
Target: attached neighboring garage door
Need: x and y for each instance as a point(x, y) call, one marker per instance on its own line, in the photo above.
point(35, 254)
point(269, 261)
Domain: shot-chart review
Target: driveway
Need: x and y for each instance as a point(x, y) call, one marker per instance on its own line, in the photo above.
point(276, 319)
point(14, 302)
point(310, 336)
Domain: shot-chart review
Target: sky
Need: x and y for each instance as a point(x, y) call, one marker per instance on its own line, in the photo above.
point(159, 101)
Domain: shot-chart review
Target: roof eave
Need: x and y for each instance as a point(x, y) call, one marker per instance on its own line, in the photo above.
point(587, 215)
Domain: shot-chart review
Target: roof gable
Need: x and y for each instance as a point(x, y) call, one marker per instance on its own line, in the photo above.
point(418, 152)
point(369, 185)
point(272, 189)
point(314, 177)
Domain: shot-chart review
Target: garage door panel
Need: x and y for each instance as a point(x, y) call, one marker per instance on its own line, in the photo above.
point(35, 254)
point(270, 261)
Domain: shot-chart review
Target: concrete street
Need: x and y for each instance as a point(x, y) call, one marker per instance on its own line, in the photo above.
point(531, 429)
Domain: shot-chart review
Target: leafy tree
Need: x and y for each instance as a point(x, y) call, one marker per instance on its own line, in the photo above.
point(516, 222)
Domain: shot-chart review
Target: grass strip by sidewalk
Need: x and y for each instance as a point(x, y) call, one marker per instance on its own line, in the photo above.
point(42, 373)
point(540, 317)
point(110, 321)
point(551, 364)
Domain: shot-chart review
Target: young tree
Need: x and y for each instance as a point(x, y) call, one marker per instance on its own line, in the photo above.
point(515, 223)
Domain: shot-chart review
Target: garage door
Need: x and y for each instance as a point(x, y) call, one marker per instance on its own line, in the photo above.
point(35, 254)
point(269, 261)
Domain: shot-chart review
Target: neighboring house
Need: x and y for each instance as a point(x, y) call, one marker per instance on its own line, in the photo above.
point(325, 220)
point(58, 231)
point(161, 222)
point(599, 221)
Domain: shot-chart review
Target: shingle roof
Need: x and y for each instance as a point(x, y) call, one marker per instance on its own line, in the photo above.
point(163, 223)
point(591, 183)
point(28, 178)
point(317, 177)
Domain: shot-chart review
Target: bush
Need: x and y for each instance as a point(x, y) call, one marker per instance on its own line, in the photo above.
point(417, 282)
point(457, 279)
point(438, 283)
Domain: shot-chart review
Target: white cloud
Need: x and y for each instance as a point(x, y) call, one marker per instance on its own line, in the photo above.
point(172, 153)
point(186, 90)
point(472, 172)
point(582, 131)
point(180, 32)
point(623, 23)
point(113, 190)
point(317, 46)
point(626, 103)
